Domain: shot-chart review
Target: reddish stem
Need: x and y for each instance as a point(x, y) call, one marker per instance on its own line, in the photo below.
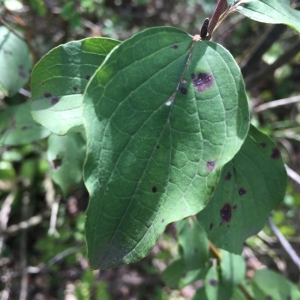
point(220, 9)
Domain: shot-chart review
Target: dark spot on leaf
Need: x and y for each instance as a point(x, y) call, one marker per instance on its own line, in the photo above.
point(228, 176)
point(225, 212)
point(235, 207)
point(57, 162)
point(75, 89)
point(221, 223)
point(87, 77)
point(24, 127)
point(275, 153)
point(157, 147)
point(211, 226)
point(195, 250)
point(175, 47)
point(242, 191)
point(269, 297)
point(43, 83)
point(288, 298)
point(183, 90)
point(163, 220)
point(54, 100)
point(213, 282)
point(193, 76)
point(263, 144)
point(210, 165)
point(203, 81)
point(7, 52)
point(22, 75)
point(228, 226)
point(21, 67)
point(47, 95)
point(183, 275)
point(154, 189)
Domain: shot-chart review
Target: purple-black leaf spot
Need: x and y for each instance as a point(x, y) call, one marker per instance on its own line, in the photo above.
point(211, 226)
point(275, 153)
point(175, 47)
point(193, 76)
point(183, 90)
point(213, 282)
point(54, 100)
point(87, 77)
point(154, 189)
point(157, 146)
point(234, 207)
point(22, 75)
point(24, 127)
point(269, 297)
point(242, 191)
point(75, 89)
point(203, 81)
point(195, 250)
point(228, 226)
point(263, 144)
point(210, 165)
point(225, 212)
point(47, 95)
point(288, 298)
point(163, 220)
point(228, 176)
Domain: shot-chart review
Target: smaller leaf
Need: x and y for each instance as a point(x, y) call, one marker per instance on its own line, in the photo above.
point(15, 63)
point(250, 186)
point(17, 126)
point(59, 79)
point(270, 285)
point(200, 294)
point(66, 155)
point(268, 11)
point(214, 288)
point(177, 276)
point(193, 240)
point(233, 269)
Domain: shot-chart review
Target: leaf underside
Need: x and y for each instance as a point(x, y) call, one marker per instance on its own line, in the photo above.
point(249, 188)
point(269, 11)
point(160, 126)
point(59, 79)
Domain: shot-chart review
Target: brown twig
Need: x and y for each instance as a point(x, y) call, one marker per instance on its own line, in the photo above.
point(276, 103)
point(285, 243)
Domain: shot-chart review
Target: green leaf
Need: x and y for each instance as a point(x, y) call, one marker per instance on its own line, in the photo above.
point(15, 63)
point(233, 270)
point(250, 186)
point(160, 127)
point(270, 285)
point(214, 287)
point(268, 11)
point(177, 276)
point(194, 243)
point(59, 79)
point(200, 294)
point(17, 126)
point(66, 155)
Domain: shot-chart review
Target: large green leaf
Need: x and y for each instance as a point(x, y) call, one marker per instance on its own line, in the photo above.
point(268, 11)
point(66, 155)
point(17, 126)
point(160, 127)
point(59, 79)
point(15, 63)
point(250, 186)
